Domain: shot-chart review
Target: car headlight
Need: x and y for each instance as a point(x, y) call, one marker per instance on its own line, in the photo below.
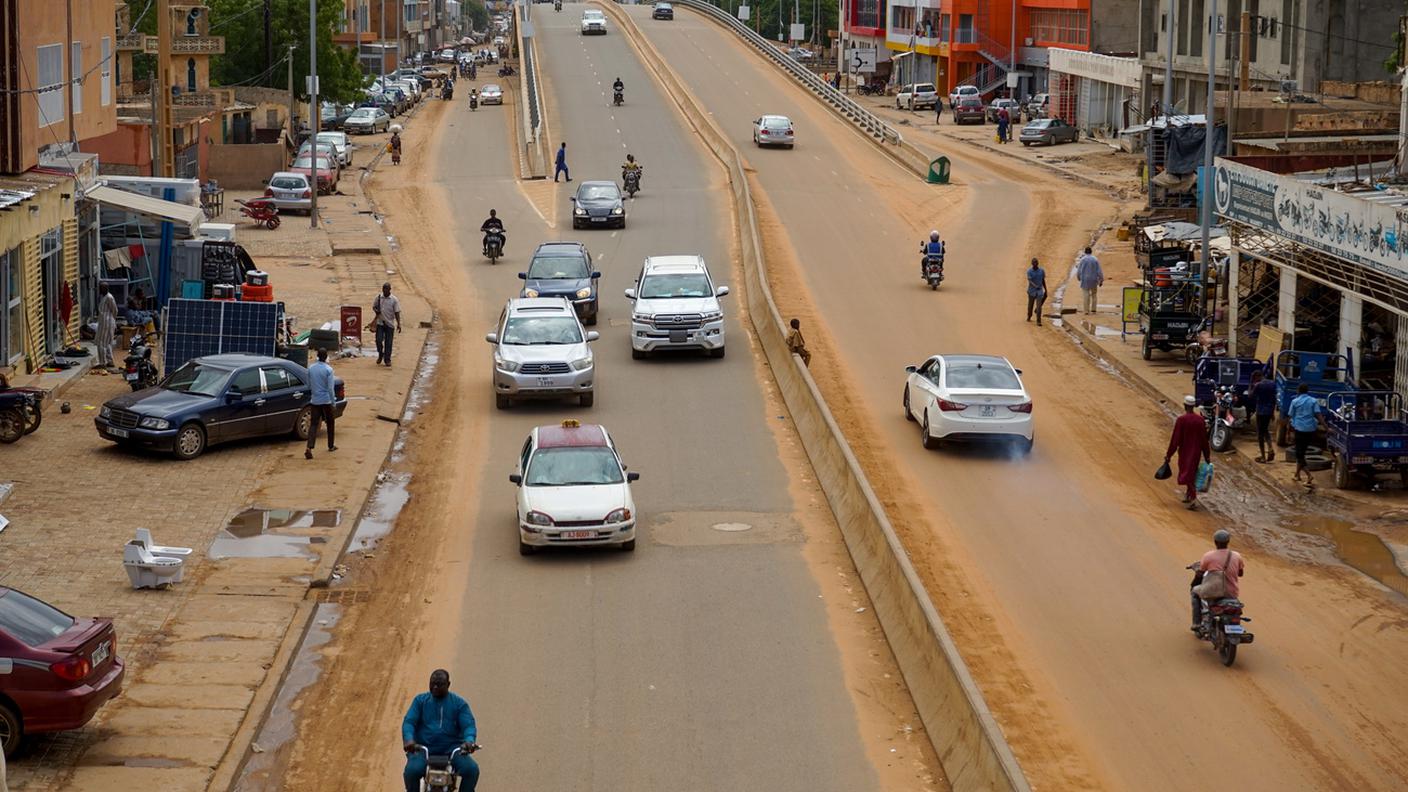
point(105, 412)
point(537, 518)
point(155, 423)
point(618, 210)
point(583, 294)
point(641, 318)
point(619, 516)
point(580, 212)
point(582, 364)
point(530, 292)
point(506, 365)
point(713, 316)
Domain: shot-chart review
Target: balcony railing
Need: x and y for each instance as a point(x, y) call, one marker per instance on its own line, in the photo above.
point(131, 41)
point(188, 45)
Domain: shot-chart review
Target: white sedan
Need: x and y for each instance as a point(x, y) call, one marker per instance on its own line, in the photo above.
point(968, 397)
point(774, 130)
point(573, 490)
point(491, 94)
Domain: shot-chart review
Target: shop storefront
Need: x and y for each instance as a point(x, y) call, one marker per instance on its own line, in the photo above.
point(1092, 91)
point(39, 313)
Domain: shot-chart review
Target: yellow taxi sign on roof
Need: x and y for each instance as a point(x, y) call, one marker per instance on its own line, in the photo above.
point(571, 423)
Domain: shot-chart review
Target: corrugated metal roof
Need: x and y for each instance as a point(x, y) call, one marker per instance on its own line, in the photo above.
point(9, 198)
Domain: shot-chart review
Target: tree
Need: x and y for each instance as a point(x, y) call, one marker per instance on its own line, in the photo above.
point(477, 13)
point(241, 22)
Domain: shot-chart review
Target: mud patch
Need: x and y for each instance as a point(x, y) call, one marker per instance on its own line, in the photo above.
point(1363, 551)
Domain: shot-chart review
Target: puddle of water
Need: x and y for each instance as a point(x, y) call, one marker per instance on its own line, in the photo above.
point(253, 522)
point(281, 724)
point(154, 761)
point(420, 389)
point(266, 546)
point(1362, 551)
point(391, 494)
point(248, 536)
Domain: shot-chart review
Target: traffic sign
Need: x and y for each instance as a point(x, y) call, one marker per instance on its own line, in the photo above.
point(862, 61)
point(744, 12)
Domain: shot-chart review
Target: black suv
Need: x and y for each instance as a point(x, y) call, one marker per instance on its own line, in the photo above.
point(663, 11)
point(563, 269)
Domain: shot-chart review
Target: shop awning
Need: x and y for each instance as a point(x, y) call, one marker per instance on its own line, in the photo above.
point(186, 218)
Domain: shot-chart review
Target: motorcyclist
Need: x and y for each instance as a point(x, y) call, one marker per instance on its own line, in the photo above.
point(493, 224)
point(1220, 559)
point(473, 98)
point(619, 87)
point(631, 165)
point(934, 247)
point(439, 721)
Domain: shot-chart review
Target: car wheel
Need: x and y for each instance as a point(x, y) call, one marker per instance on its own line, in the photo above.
point(502, 402)
point(716, 353)
point(628, 546)
point(11, 730)
point(637, 354)
point(526, 549)
point(591, 321)
point(11, 425)
point(586, 399)
point(925, 439)
point(1026, 143)
point(303, 425)
point(908, 416)
point(190, 441)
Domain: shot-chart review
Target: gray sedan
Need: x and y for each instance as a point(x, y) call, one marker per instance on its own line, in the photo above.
point(1049, 131)
point(598, 204)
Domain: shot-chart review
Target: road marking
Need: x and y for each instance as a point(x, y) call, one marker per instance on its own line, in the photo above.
point(614, 233)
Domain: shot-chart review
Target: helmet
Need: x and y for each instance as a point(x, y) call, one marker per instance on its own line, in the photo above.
point(630, 158)
point(1222, 536)
point(933, 236)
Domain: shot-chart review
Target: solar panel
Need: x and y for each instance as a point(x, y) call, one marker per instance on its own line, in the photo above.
point(195, 328)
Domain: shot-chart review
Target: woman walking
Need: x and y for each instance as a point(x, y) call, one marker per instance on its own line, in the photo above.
point(1036, 290)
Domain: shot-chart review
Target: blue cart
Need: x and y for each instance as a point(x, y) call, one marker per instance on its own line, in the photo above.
point(1211, 373)
point(1324, 372)
point(1366, 435)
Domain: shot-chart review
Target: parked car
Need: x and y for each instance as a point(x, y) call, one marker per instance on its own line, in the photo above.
point(675, 305)
point(399, 96)
point(327, 172)
point(340, 144)
point(367, 120)
point(215, 399)
point(384, 102)
point(491, 94)
point(593, 21)
point(564, 269)
point(573, 490)
point(541, 352)
point(333, 116)
point(800, 54)
point(56, 670)
point(969, 108)
point(662, 11)
point(917, 96)
point(774, 130)
point(968, 397)
point(1014, 110)
point(1038, 106)
point(326, 150)
point(1048, 131)
point(290, 191)
point(598, 203)
point(962, 91)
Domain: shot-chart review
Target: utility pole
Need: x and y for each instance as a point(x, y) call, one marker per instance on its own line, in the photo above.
point(381, 43)
point(74, 79)
point(1244, 83)
point(1012, 57)
point(1205, 182)
point(268, 35)
point(1168, 65)
point(315, 117)
point(400, 12)
point(161, 92)
point(292, 130)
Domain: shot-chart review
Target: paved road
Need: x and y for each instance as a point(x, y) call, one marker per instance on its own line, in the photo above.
point(1074, 553)
point(704, 660)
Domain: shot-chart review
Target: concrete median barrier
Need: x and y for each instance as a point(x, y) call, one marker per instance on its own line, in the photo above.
point(965, 736)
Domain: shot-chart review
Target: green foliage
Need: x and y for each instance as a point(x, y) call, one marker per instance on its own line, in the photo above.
point(477, 13)
point(241, 22)
point(765, 17)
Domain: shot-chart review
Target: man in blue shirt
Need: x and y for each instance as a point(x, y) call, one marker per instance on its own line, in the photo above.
point(561, 164)
point(1261, 400)
point(934, 247)
point(1304, 415)
point(441, 722)
point(323, 384)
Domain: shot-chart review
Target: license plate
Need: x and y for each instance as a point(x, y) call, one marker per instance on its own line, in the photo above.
point(598, 219)
point(547, 382)
point(987, 410)
point(130, 377)
point(579, 534)
point(116, 432)
point(1233, 629)
point(678, 336)
point(101, 653)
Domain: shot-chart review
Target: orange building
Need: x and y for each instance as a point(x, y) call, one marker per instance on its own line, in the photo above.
point(983, 40)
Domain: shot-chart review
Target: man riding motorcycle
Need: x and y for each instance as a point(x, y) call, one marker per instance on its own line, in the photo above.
point(934, 247)
point(631, 166)
point(1220, 559)
point(619, 87)
point(493, 224)
point(440, 722)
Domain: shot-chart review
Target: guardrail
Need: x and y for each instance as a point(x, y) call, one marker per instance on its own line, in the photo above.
point(533, 163)
point(866, 120)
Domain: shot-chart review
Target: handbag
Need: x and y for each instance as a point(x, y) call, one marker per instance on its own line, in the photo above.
point(1164, 472)
point(1214, 585)
point(1203, 481)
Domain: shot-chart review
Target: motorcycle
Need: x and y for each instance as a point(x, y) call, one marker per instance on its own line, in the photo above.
point(440, 770)
point(1202, 343)
point(494, 245)
point(1226, 415)
point(506, 71)
point(473, 100)
point(261, 211)
point(631, 180)
point(1222, 625)
point(448, 92)
point(20, 412)
point(557, 5)
point(138, 368)
point(934, 271)
point(618, 98)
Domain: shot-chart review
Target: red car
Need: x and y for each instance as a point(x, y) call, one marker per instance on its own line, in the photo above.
point(55, 670)
point(327, 172)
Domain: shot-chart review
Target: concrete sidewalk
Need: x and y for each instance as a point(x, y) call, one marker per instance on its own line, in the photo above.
point(205, 657)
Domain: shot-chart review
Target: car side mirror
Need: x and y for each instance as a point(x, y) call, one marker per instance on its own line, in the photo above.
point(516, 479)
point(722, 291)
point(1019, 371)
point(592, 335)
point(632, 476)
point(596, 275)
point(573, 199)
point(233, 396)
point(630, 294)
point(492, 338)
point(910, 369)
point(523, 276)
point(7, 665)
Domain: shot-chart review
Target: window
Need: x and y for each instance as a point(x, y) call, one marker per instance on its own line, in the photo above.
point(271, 119)
point(868, 14)
point(944, 21)
point(965, 34)
point(105, 87)
point(1182, 20)
point(191, 75)
point(11, 308)
point(246, 382)
point(276, 378)
point(1195, 35)
point(76, 77)
point(30, 621)
point(1232, 26)
point(191, 20)
point(51, 80)
point(1063, 26)
point(902, 20)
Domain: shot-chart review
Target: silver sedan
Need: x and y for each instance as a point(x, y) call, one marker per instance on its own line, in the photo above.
point(491, 94)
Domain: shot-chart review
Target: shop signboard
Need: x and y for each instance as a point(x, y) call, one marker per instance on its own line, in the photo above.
point(1368, 233)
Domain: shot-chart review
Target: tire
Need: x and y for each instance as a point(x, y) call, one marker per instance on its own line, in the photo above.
point(274, 222)
point(502, 402)
point(11, 425)
point(717, 353)
point(908, 416)
point(925, 439)
point(591, 321)
point(33, 415)
point(526, 549)
point(1227, 652)
point(1145, 350)
point(586, 399)
point(303, 424)
point(1344, 479)
point(1027, 143)
point(637, 354)
point(11, 730)
point(1221, 439)
point(933, 285)
point(629, 546)
point(190, 442)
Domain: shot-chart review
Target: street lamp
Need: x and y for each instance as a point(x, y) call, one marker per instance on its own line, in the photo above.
point(313, 109)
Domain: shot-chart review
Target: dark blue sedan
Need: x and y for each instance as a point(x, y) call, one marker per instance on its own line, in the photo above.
point(564, 269)
point(215, 399)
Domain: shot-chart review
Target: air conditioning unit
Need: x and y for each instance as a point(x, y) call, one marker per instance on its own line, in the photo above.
point(1288, 86)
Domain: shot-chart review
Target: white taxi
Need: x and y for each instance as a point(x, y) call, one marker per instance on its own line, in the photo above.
point(573, 490)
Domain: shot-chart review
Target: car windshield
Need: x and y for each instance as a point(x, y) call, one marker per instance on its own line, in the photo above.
point(362, 112)
point(530, 330)
point(776, 122)
point(558, 267)
point(578, 466)
point(982, 376)
point(598, 191)
point(924, 88)
point(30, 621)
point(196, 379)
point(972, 101)
point(332, 138)
point(287, 183)
point(305, 162)
point(664, 287)
point(1039, 124)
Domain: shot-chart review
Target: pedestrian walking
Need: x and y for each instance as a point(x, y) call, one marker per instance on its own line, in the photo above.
point(1261, 396)
point(107, 325)
point(836, 81)
point(938, 110)
point(1091, 278)
point(387, 311)
point(561, 163)
point(798, 345)
point(1190, 440)
point(1036, 290)
point(322, 383)
point(1305, 417)
point(1004, 124)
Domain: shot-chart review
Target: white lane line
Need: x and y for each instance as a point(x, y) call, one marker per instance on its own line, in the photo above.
point(834, 173)
point(614, 233)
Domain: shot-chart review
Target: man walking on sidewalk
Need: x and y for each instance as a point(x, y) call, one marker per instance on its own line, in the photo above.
point(388, 323)
point(1262, 396)
point(938, 109)
point(322, 383)
point(1190, 440)
point(107, 325)
point(1091, 278)
point(561, 164)
point(1304, 415)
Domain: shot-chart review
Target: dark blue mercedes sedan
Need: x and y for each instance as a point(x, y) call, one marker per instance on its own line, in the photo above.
point(215, 399)
point(563, 269)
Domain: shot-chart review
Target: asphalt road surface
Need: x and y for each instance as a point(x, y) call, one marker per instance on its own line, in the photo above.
point(1072, 558)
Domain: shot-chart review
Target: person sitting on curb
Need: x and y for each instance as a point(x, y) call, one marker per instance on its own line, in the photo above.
point(798, 345)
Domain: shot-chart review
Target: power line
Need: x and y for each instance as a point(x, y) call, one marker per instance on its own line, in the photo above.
point(1336, 36)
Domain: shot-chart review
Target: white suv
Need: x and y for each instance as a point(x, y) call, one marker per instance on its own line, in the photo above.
point(593, 21)
point(676, 307)
point(917, 97)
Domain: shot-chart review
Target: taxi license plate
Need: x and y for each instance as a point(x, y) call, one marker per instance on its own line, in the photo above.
point(101, 653)
point(116, 432)
point(987, 410)
point(579, 534)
